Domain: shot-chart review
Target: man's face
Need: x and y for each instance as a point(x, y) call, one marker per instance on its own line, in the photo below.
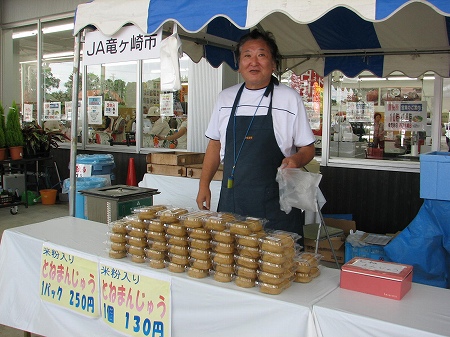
point(256, 64)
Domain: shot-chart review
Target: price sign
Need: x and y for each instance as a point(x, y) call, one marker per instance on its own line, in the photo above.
point(69, 280)
point(134, 304)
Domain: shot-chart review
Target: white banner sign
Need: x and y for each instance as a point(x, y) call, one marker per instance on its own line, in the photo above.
point(128, 44)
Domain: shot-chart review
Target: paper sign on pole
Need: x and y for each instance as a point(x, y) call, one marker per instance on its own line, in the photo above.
point(69, 280)
point(28, 112)
point(95, 110)
point(134, 304)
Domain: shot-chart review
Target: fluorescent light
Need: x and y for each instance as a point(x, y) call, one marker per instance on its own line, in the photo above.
point(401, 78)
point(367, 79)
point(47, 30)
point(428, 78)
point(58, 55)
point(116, 64)
point(27, 33)
point(59, 28)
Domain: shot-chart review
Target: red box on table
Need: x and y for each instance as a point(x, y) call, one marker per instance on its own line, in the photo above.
point(380, 278)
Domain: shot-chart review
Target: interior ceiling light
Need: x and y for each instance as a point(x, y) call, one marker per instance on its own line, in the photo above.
point(58, 55)
point(401, 78)
point(59, 28)
point(23, 34)
point(47, 30)
point(364, 79)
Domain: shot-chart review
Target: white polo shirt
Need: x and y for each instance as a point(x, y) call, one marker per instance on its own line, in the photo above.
point(290, 122)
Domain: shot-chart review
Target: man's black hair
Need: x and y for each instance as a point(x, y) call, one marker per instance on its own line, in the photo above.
point(265, 36)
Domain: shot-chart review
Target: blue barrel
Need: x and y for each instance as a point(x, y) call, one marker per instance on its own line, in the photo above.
point(84, 183)
point(101, 163)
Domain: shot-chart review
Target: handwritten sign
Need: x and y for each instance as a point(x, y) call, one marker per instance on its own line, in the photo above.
point(134, 304)
point(69, 280)
point(83, 170)
point(111, 108)
point(28, 112)
point(166, 104)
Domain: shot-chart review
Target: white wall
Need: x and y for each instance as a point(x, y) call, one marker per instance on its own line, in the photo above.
point(22, 10)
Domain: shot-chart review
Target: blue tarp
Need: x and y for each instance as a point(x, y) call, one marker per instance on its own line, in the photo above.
point(425, 244)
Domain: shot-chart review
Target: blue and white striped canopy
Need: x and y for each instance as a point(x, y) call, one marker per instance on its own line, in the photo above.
point(381, 36)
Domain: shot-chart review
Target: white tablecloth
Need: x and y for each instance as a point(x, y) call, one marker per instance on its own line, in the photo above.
point(221, 309)
point(423, 312)
point(178, 191)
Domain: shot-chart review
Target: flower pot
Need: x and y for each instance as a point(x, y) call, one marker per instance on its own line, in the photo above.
point(2, 154)
point(16, 152)
point(48, 197)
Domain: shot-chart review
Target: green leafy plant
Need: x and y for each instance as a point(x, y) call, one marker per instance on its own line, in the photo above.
point(2, 139)
point(13, 131)
point(2, 127)
point(38, 140)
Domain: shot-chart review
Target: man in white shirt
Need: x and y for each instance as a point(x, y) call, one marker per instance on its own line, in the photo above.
point(255, 128)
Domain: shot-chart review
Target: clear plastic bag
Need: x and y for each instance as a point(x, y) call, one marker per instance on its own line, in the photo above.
point(298, 189)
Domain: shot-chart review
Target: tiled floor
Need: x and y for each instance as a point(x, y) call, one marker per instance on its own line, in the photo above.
point(26, 216)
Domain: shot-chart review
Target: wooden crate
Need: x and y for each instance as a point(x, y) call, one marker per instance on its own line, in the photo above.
point(167, 170)
point(175, 158)
point(194, 171)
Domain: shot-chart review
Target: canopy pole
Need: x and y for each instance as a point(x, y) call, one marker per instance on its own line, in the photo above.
point(74, 124)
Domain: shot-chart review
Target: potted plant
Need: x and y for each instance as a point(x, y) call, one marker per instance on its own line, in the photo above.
point(2, 134)
point(38, 141)
point(13, 133)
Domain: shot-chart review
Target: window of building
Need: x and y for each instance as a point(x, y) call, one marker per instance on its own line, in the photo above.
point(380, 118)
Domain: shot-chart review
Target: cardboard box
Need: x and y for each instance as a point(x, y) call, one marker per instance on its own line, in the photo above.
point(175, 158)
point(380, 278)
point(167, 170)
point(338, 243)
point(435, 175)
point(194, 171)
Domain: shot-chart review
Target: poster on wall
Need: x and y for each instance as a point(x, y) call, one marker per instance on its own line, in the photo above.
point(166, 104)
point(52, 111)
point(401, 94)
point(28, 112)
point(95, 110)
point(111, 108)
point(406, 116)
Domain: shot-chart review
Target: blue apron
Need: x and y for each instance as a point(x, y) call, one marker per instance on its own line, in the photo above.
point(255, 191)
